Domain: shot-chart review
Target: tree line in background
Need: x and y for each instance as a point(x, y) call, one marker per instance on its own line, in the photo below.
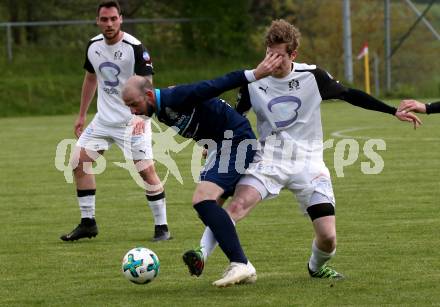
point(235, 29)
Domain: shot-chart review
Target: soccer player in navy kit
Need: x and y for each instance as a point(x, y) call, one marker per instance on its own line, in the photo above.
point(111, 58)
point(195, 112)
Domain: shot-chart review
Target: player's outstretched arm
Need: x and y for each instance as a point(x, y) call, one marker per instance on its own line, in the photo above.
point(198, 92)
point(366, 101)
point(329, 88)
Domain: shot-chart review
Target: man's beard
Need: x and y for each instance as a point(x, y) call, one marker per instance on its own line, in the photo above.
point(149, 110)
point(113, 36)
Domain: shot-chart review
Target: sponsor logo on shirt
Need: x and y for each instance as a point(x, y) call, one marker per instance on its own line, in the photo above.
point(292, 101)
point(110, 72)
point(111, 90)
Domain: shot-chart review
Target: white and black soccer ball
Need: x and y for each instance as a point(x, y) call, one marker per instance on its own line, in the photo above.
point(140, 265)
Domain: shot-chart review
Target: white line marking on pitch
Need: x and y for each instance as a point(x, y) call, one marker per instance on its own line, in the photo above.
point(342, 134)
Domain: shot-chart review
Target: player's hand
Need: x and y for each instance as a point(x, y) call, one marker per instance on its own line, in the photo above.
point(412, 105)
point(79, 125)
point(138, 125)
point(268, 65)
point(409, 117)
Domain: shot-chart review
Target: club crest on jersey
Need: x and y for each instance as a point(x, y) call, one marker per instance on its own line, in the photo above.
point(118, 55)
point(293, 84)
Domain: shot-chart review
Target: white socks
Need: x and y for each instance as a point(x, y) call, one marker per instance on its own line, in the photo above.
point(208, 242)
point(87, 206)
point(319, 257)
point(158, 208)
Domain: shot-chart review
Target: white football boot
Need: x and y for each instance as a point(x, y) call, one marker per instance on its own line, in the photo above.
point(237, 273)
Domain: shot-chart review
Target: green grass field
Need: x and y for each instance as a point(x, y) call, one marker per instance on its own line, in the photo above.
point(388, 224)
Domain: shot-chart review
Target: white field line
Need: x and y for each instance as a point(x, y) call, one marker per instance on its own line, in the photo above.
point(346, 134)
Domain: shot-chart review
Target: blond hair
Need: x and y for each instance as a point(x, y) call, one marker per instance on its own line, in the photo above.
point(280, 32)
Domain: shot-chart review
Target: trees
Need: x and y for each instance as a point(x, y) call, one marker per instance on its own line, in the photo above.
point(236, 29)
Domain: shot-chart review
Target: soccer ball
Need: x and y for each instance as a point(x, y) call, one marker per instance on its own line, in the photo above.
point(140, 265)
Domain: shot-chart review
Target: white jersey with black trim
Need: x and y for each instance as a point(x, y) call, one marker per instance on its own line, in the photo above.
point(113, 65)
point(288, 109)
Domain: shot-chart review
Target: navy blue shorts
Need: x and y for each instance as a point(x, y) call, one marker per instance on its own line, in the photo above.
point(227, 161)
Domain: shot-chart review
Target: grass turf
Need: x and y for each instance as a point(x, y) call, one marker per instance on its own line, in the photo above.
point(387, 227)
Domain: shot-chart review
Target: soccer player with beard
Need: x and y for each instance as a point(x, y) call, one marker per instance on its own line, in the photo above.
point(111, 58)
point(195, 112)
point(290, 156)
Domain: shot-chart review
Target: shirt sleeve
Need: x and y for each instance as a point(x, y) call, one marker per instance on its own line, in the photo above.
point(243, 100)
point(87, 64)
point(363, 100)
point(190, 95)
point(142, 61)
point(433, 107)
point(329, 88)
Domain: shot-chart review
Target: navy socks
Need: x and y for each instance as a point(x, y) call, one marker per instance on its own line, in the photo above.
point(220, 223)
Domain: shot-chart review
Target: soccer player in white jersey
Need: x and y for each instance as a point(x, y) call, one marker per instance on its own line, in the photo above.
point(287, 105)
point(111, 58)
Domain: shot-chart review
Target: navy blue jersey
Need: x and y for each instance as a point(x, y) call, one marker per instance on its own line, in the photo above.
point(196, 112)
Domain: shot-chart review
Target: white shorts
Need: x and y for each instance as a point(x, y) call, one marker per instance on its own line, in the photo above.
point(311, 186)
point(97, 137)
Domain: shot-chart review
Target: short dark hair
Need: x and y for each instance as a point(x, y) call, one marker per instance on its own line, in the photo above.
point(108, 4)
